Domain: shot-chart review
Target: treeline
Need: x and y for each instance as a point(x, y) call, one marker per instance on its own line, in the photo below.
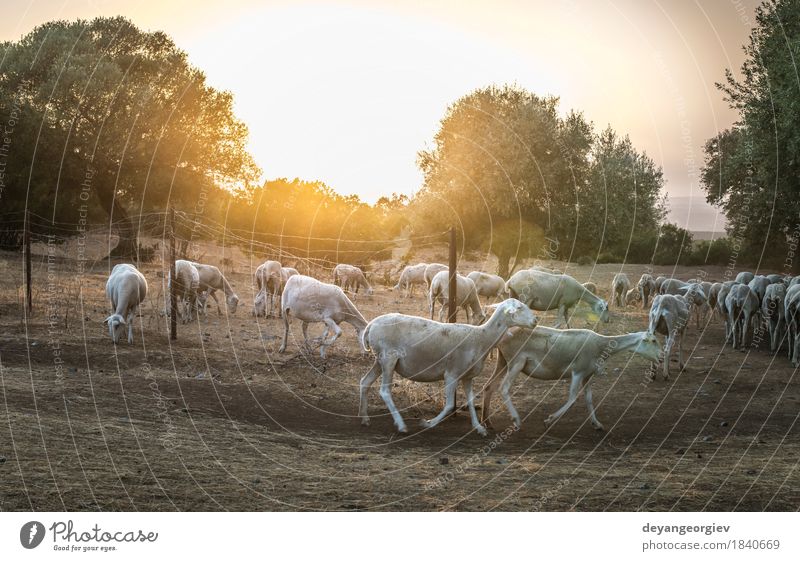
point(105, 123)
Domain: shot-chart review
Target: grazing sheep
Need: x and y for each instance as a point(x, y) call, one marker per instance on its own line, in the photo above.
point(553, 354)
point(669, 316)
point(544, 291)
point(744, 277)
point(759, 285)
point(268, 278)
point(743, 305)
point(411, 275)
point(491, 286)
point(187, 284)
point(423, 350)
point(632, 296)
point(466, 297)
point(793, 281)
point(619, 288)
point(722, 305)
point(659, 281)
point(126, 288)
point(775, 278)
point(647, 289)
point(674, 286)
point(792, 314)
point(697, 300)
point(312, 301)
point(350, 278)
point(773, 312)
point(713, 296)
point(211, 279)
point(431, 270)
point(591, 287)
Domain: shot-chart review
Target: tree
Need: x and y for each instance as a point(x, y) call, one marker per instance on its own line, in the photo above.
point(751, 170)
point(127, 125)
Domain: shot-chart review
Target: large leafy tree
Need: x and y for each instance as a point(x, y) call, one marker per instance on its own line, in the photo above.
point(117, 119)
point(752, 169)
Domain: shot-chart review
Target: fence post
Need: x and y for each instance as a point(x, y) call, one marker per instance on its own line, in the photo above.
point(173, 301)
point(28, 281)
point(452, 287)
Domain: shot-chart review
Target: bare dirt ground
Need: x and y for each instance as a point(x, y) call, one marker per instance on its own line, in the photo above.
point(220, 421)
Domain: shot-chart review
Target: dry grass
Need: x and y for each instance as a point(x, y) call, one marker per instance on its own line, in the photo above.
point(219, 420)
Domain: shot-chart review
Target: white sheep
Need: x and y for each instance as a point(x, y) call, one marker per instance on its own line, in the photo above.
point(743, 305)
point(758, 284)
point(211, 279)
point(264, 295)
point(791, 305)
point(412, 275)
point(674, 287)
point(424, 350)
point(187, 284)
point(268, 279)
point(647, 289)
point(312, 301)
point(350, 278)
point(493, 287)
point(552, 354)
point(773, 312)
point(466, 297)
point(126, 288)
point(620, 286)
point(542, 291)
point(430, 271)
point(722, 305)
point(669, 316)
point(659, 281)
point(744, 277)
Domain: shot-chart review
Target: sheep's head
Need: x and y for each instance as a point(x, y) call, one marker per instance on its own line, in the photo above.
point(116, 326)
point(601, 308)
point(260, 304)
point(649, 347)
point(232, 302)
point(517, 314)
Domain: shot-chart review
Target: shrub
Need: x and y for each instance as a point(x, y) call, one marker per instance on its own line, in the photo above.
point(585, 260)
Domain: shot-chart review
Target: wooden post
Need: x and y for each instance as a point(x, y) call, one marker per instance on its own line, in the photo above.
point(173, 301)
point(451, 291)
point(28, 280)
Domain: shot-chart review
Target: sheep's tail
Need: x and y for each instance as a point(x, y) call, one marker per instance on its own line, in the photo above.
point(363, 339)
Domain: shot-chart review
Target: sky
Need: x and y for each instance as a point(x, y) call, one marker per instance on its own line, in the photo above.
point(348, 91)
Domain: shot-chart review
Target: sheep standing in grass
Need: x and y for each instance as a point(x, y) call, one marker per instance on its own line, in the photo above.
point(669, 316)
point(743, 305)
point(542, 291)
point(773, 311)
point(619, 289)
point(268, 279)
point(493, 287)
point(126, 288)
point(722, 305)
point(210, 280)
point(647, 289)
point(791, 305)
point(350, 278)
point(187, 284)
point(423, 350)
point(312, 301)
point(466, 297)
point(412, 275)
point(552, 354)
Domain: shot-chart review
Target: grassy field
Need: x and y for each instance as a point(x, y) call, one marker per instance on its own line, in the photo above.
point(220, 421)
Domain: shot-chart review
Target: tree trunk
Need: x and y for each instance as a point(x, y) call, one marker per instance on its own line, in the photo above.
point(502, 265)
point(128, 246)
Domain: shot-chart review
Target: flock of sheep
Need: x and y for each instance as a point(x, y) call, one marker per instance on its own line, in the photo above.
point(425, 350)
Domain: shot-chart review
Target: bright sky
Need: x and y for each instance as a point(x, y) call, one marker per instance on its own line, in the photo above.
point(348, 92)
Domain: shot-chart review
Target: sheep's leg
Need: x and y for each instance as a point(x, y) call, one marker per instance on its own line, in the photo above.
point(305, 335)
point(367, 381)
point(500, 370)
point(441, 311)
point(573, 396)
point(562, 315)
point(681, 363)
point(216, 301)
point(387, 370)
point(450, 383)
point(587, 396)
point(473, 415)
point(505, 391)
point(668, 352)
point(336, 333)
point(285, 333)
point(431, 304)
point(131, 315)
